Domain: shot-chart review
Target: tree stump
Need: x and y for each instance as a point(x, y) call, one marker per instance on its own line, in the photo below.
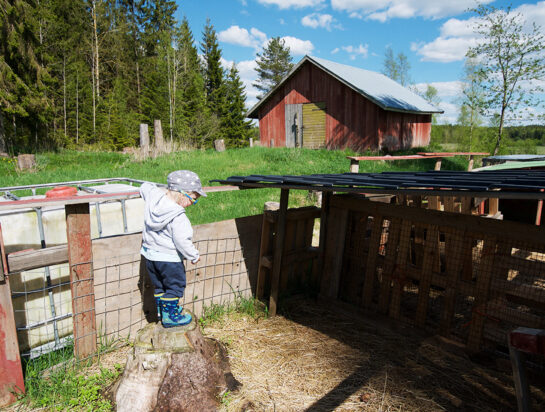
point(174, 369)
point(26, 161)
point(219, 145)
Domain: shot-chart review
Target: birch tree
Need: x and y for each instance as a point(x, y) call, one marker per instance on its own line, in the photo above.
point(511, 60)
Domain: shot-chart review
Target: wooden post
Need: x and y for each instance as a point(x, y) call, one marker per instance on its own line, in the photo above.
point(144, 137)
point(158, 134)
point(470, 164)
point(11, 371)
point(354, 166)
point(278, 249)
point(80, 258)
point(438, 163)
point(219, 145)
point(334, 252)
point(370, 268)
point(251, 142)
point(265, 247)
point(324, 213)
point(539, 210)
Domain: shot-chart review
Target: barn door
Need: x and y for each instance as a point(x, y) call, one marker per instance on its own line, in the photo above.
point(314, 125)
point(294, 116)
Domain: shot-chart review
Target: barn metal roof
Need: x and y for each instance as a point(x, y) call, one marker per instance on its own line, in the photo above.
point(517, 184)
point(383, 91)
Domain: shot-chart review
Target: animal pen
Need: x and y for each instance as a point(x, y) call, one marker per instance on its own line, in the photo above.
point(412, 247)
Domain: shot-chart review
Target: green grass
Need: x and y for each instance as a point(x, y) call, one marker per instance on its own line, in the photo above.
point(209, 164)
point(215, 313)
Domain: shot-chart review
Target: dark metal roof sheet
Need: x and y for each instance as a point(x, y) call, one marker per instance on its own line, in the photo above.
point(504, 183)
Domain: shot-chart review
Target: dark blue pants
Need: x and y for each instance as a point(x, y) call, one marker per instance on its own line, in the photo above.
point(167, 277)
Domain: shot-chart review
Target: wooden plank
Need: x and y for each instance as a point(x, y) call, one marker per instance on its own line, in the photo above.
point(521, 232)
point(319, 267)
point(431, 254)
point(264, 250)
point(433, 203)
point(453, 263)
point(80, 257)
point(370, 268)
point(32, 259)
point(482, 292)
point(493, 206)
point(11, 371)
point(466, 205)
point(389, 264)
point(287, 272)
point(448, 202)
point(278, 248)
point(400, 275)
point(3, 259)
point(438, 164)
point(334, 252)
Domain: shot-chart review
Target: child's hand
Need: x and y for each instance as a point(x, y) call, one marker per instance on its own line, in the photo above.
point(197, 261)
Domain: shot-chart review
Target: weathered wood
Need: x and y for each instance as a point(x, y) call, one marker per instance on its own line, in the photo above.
point(482, 291)
point(264, 249)
point(493, 206)
point(522, 389)
point(453, 263)
point(219, 145)
point(289, 244)
point(448, 204)
point(3, 259)
point(80, 258)
point(26, 161)
point(159, 142)
point(530, 234)
point(326, 201)
point(354, 166)
point(370, 268)
point(11, 371)
point(278, 248)
point(400, 272)
point(32, 259)
point(389, 264)
point(144, 137)
point(334, 253)
point(431, 254)
point(433, 203)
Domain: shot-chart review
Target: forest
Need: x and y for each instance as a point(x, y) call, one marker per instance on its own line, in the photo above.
point(82, 74)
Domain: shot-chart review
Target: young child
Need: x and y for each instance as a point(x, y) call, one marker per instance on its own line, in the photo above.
point(167, 240)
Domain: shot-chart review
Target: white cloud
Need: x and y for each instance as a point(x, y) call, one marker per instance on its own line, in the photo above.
point(450, 114)
point(316, 20)
point(444, 50)
point(241, 37)
point(298, 46)
point(456, 36)
point(444, 89)
point(296, 4)
point(335, 50)
point(355, 51)
point(383, 10)
point(248, 75)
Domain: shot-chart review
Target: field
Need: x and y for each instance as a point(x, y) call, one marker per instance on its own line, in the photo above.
point(209, 164)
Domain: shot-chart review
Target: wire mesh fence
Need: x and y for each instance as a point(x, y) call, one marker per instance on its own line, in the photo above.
point(464, 277)
point(53, 312)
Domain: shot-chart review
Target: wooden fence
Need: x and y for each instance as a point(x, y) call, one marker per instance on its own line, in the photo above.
point(465, 277)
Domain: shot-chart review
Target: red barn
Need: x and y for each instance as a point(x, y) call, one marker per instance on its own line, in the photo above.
point(326, 104)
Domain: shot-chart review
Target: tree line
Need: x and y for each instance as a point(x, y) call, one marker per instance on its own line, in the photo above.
point(75, 73)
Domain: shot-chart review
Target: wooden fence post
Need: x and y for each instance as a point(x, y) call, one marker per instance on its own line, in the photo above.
point(11, 371)
point(278, 249)
point(158, 134)
point(80, 258)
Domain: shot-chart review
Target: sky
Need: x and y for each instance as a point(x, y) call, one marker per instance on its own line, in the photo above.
point(433, 34)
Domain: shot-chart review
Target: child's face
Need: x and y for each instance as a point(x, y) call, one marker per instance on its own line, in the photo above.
point(188, 199)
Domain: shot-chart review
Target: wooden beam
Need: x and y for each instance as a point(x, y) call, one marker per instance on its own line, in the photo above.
point(334, 252)
point(278, 249)
point(264, 250)
point(370, 268)
point(32, 259)
point(531, 235)
point(354, 166)
point(389, 264)
point(11, 371)
point(431, 254)
point(80, 258)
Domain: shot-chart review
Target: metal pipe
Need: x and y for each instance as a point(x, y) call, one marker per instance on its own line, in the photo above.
point(47, 274)
point(124, 212)
point(46, 322)
point(99, 222)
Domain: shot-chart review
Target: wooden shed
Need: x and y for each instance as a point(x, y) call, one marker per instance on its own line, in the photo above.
point(321, 103)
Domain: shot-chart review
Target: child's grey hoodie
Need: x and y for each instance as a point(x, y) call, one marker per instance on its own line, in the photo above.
point(167, 229)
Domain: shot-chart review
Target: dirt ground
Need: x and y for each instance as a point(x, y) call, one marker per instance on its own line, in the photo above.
point(317, 358)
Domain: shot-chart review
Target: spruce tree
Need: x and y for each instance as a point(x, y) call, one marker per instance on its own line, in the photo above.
point(213, 72)
point(236, 130)
point(273, 64)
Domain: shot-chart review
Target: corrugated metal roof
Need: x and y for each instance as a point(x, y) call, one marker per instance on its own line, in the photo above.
point(378, 88)
point(507, 183)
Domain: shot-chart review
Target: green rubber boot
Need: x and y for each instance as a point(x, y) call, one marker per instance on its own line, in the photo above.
point(172, 313)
